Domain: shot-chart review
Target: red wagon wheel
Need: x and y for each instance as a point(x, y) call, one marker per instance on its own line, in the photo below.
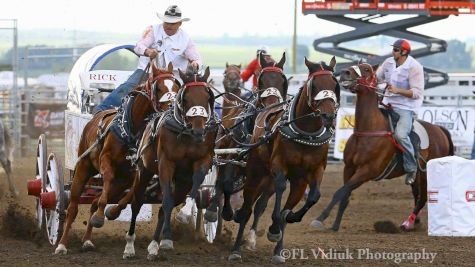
point(36, 186)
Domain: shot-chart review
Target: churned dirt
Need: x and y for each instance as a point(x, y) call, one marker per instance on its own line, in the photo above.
point(370, 228)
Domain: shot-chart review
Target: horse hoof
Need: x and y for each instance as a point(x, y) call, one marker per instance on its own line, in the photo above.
point(274, 237)
point(235, 257)
point(152, 257)
point(110, 214)
point(96, 221)
point(61, 250)
point(129, 255)
point(166, 244)
point(14, 193)
point(407, 226)
point(251, 246)
point(318, 225)
point(152, 251)
point(211, 216)
point(283, 215)
point(277, 259)
point(88, 246)
point(227, 214)
point(182, 218)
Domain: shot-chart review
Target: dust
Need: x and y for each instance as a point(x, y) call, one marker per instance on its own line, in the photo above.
point(18, 222)
point(387, 227)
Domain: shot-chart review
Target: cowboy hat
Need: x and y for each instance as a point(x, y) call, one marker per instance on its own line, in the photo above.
point(172, 15)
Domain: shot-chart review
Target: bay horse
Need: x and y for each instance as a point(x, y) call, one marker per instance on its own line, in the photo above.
point(233, 106)
point(371, 148)
point(296, 150)
point(179, 148)
point(104, 146)
point(6, 156)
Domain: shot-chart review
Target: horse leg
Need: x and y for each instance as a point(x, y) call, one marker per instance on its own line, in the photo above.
point(345, 199)
point(297, 190)
point(7, 166)
point(211, 214)
point(416, 195)
point(337, 196)
point(87, 244)
point(408, 224)
point(153, 247)
point(139, 187)
point(81, 176)
point(228, 212)
point(107, 172)
point(166, 171)
point(312, 197)
point(274, 233)
point(114, 211)
point(259, 209)
point(251, 190)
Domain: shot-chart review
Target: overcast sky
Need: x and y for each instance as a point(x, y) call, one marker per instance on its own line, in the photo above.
point(208, 17)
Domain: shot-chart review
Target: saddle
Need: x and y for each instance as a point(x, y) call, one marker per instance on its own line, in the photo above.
point(419, 139)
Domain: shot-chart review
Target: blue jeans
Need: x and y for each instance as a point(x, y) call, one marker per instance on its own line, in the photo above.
point(473, 149)
point(114, 99)
point(402, 131)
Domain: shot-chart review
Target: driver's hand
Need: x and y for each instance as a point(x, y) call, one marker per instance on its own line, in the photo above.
point(151, 53)
point(195, 64)
point(392, 89)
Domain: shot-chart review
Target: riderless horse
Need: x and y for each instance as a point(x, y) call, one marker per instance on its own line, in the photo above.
point(371, 153)
point(106, 143)
point(296, 149)
point(179, 148)
point(6, 156)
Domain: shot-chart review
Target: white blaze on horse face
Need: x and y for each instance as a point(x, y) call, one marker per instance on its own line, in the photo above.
point(197, 111)
point(324, 94)
point(272, 91)
point(357, 70)
point(168, 97)
point(169, 84)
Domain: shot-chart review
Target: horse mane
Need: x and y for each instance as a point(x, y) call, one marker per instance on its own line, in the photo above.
point(190, 75)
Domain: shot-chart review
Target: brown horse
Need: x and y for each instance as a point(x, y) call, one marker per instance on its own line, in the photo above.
point(232, 124)
point(179, 147)
point(103, 148)
point(296, 149)
point(369, 151)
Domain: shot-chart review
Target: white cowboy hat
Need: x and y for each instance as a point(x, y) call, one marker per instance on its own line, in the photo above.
point(172, 15)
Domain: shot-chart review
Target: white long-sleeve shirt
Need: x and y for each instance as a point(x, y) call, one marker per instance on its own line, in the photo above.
point(178, 48)
point(409, 76)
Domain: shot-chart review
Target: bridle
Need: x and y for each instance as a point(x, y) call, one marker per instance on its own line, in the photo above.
point(150, 90)
point(196, 110)
point(272, 90)
point(322, 95)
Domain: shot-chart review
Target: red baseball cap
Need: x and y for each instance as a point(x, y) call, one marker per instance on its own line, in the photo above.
point(402, 44)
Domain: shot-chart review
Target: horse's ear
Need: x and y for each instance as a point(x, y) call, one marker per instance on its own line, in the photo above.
point(182, 75)
point(375, 67)
point(308, 63)
point(227, 65)
point(153, 69)
point(239, 66)
point(333, 62)
point(261, 60)
point(281, 62)
point(206, 75)
point(360, 61)
point(170, 67)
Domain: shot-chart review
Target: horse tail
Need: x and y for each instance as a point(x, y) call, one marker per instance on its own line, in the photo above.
point(449, 138)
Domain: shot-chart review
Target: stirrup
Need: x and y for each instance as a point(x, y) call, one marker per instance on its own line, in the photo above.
point(411, 177)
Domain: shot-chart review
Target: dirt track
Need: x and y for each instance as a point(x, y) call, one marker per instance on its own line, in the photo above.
point(390, 201)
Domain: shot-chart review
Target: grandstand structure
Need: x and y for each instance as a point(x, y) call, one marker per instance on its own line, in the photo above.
point(422, 11)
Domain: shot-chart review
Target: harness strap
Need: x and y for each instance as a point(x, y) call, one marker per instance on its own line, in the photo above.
point(388, 134)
